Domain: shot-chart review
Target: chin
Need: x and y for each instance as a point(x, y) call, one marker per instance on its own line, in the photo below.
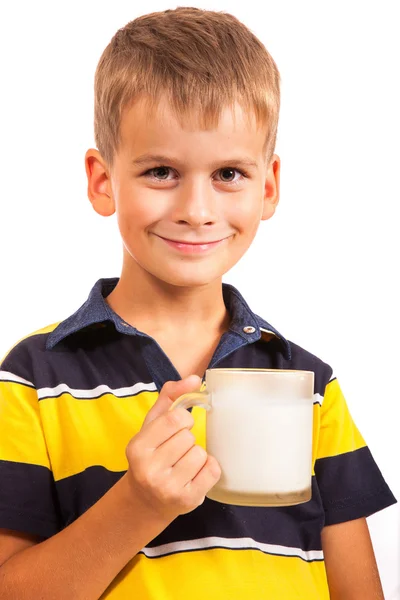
point(191, 279)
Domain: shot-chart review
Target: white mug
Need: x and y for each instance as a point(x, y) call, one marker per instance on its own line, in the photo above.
point(259, 428)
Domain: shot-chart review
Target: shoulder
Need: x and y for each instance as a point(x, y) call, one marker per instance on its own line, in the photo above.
point(20, 357)
point(296, 358)
point(302, 359)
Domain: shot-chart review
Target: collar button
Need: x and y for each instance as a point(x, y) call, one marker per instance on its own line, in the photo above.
point(249, 329)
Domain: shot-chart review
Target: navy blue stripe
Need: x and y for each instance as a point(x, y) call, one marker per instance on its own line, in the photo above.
point(77, 493)
point(33, 503)
point(277, 526)
point(351, 486)
point(28, 501)
point(85, 360)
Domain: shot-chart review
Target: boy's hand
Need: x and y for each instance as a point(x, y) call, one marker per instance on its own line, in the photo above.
point(168, 472)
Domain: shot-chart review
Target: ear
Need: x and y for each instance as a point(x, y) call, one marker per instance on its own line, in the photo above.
point(99, 184)
point(271, 190)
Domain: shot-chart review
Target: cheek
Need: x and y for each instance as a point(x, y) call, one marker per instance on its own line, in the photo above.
point(137, 209)
point(249, 232)
point(246, 215)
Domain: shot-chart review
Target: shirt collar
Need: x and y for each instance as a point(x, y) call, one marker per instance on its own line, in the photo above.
point(244, 322)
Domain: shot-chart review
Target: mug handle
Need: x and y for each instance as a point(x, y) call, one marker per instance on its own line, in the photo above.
point(191, 399)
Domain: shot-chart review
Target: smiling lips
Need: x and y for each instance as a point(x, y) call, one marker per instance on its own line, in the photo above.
point(192, 247)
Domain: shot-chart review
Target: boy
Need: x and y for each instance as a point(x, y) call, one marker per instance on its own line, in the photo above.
point(102, 489)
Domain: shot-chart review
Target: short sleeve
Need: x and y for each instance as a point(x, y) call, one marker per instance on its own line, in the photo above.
point(349, 480)
point(27, 492)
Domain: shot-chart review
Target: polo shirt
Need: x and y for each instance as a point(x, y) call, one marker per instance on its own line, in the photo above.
point(72, 396)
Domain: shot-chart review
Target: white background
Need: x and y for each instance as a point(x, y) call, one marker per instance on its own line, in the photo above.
point(323, 270)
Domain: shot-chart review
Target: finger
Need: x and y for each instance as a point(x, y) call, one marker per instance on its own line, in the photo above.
point(169, 393)
point(205, 479)
point(171, 451)
point(189, 465)
point(163, 428)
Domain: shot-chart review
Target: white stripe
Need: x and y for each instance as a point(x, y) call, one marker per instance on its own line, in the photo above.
point(7, 376)
point(62, 388)
point(231, 543)
point(318, 399)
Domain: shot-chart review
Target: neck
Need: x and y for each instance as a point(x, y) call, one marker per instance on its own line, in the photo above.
point(152, 305)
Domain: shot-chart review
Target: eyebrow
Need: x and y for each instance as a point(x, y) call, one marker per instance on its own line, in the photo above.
point(145, 159)
point(149, 158)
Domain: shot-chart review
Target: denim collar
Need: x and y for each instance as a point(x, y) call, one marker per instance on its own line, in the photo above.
point(244, 322)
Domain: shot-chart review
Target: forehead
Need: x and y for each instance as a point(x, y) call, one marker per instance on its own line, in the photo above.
point(157, 126)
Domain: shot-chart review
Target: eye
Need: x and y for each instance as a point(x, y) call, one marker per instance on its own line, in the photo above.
point(160, 173)
point(228, 175)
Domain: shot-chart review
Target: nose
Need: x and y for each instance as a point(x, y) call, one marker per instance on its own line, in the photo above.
point(195, 203)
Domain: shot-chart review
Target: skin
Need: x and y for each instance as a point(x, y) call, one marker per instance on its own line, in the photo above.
point(200, 192)
point(187, 196)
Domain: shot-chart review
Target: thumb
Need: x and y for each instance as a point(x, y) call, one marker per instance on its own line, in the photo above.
point(169, 393)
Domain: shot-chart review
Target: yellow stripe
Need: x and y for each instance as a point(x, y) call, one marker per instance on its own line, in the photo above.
point(21, 434)
point(199, 427)
point(77, 434)
point(337, 432)
point(44, 330)
point(83, 433)
point(220, 573)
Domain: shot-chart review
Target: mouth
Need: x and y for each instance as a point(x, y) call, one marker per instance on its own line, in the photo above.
point(192, 247)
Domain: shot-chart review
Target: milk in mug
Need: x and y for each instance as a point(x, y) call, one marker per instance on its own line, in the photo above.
point(259, 428)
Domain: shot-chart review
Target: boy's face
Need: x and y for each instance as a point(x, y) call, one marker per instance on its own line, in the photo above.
point(188, 201)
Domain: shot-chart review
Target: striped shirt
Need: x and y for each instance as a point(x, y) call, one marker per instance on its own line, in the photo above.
point(72, 396)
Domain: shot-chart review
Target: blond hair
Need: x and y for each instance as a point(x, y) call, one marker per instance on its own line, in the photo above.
point(201, 61)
